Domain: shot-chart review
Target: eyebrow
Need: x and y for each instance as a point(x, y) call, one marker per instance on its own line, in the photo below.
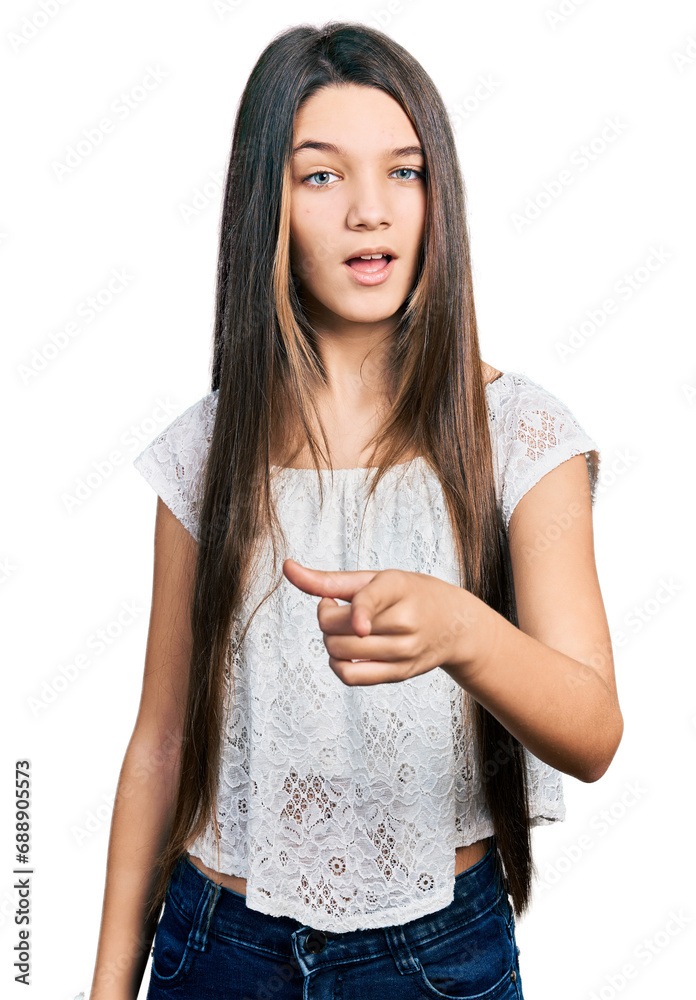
point(329, 147)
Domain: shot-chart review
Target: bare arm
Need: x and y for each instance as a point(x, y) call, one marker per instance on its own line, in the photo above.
point(551, 681)
point(144, 805)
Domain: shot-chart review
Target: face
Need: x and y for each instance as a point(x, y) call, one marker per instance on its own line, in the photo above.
point(366, 194)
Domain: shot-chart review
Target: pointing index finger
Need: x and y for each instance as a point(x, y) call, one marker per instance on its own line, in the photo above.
point(326, 583)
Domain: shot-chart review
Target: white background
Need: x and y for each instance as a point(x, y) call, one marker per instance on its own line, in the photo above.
point(527, 85)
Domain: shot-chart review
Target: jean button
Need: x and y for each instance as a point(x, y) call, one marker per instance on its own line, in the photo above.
point(513, 975)
point(315, 942)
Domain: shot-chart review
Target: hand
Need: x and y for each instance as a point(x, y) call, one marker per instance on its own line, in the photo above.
point(398, 624)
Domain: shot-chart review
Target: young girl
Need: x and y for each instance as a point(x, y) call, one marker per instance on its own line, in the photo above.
point(350, 721)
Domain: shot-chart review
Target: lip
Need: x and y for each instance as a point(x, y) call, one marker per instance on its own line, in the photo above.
point(365, 250)
point(370, 278)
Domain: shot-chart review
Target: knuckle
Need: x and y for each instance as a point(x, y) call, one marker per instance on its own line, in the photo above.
point(338, 669)
point(402, 620)
point(411, 646)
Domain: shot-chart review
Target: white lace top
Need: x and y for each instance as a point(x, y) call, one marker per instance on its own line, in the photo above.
point(342, 806)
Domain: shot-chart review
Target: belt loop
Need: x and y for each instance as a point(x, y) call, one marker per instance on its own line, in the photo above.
point(204, 913)
point(406, 962)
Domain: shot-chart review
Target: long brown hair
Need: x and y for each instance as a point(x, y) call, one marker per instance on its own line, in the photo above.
point(267, 370)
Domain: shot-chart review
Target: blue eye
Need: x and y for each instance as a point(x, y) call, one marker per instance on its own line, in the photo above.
point(411, 170)
point(318, 173)
point(330, 173)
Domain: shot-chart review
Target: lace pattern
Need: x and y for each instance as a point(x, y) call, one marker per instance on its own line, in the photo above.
point(342, 806)
point(538, 432)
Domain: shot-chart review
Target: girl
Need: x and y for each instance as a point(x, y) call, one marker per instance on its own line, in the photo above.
point(350, 721)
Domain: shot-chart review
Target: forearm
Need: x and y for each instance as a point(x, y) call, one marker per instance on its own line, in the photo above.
point(559, 708)
point(141, 821)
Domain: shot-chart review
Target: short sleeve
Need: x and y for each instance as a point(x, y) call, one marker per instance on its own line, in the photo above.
point(538, 433)
point(173, 463)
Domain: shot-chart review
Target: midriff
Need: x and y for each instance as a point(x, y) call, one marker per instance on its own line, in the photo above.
point(464, 857)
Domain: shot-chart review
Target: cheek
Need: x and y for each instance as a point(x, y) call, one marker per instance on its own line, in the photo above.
point(302, 235)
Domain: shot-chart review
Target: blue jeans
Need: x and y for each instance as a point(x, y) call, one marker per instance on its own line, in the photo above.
point(209, 944)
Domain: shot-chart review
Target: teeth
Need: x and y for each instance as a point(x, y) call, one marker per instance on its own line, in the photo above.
point(372, 256)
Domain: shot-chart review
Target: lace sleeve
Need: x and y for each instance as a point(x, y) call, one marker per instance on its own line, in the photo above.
point(174, 461)
point(540, 432)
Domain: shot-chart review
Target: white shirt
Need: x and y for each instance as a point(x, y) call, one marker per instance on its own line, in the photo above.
point(342, 806)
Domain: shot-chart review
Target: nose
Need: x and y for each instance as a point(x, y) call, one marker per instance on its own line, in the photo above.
point(368, 204)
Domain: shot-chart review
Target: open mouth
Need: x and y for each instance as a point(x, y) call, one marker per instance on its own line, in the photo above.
point(369, 265)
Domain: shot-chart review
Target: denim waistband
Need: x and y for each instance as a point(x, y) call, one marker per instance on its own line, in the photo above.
point(214, 909)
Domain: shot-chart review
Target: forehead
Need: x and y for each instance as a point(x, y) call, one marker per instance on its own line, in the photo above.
point(353, 116)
